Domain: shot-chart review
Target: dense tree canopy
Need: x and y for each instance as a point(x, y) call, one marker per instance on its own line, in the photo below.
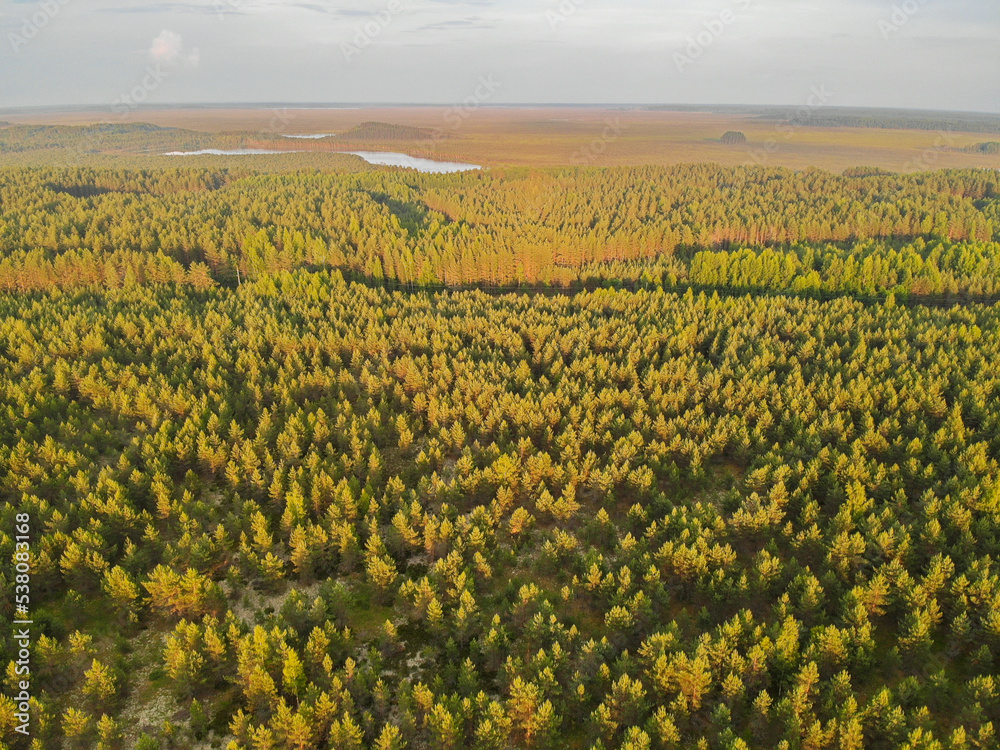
point(927, 234)
point(330, 515)
point(726, 478)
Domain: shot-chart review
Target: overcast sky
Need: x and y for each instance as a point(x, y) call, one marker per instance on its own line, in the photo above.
point(936, 54)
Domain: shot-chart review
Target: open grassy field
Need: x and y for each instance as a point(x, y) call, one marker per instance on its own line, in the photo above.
point(560, 136)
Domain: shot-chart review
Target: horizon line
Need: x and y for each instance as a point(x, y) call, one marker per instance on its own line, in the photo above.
point(306, 105)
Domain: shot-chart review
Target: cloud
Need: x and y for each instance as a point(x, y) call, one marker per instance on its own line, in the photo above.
point(168, 49)
point(605, 51)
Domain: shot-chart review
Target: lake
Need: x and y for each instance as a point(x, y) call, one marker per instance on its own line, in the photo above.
point(392, 159)
point(230, 152)
point(381, 158)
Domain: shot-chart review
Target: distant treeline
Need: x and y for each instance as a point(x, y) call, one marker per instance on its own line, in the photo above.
point(984, 125)
point(852, 117)
point(137, 142)
point(990, 147)
point(100, 137)
point(381, 131)
point(743, 228)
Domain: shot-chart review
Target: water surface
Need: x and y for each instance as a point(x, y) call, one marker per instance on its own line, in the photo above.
point(393, 159)
point(229, 152)
point(381, 158)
